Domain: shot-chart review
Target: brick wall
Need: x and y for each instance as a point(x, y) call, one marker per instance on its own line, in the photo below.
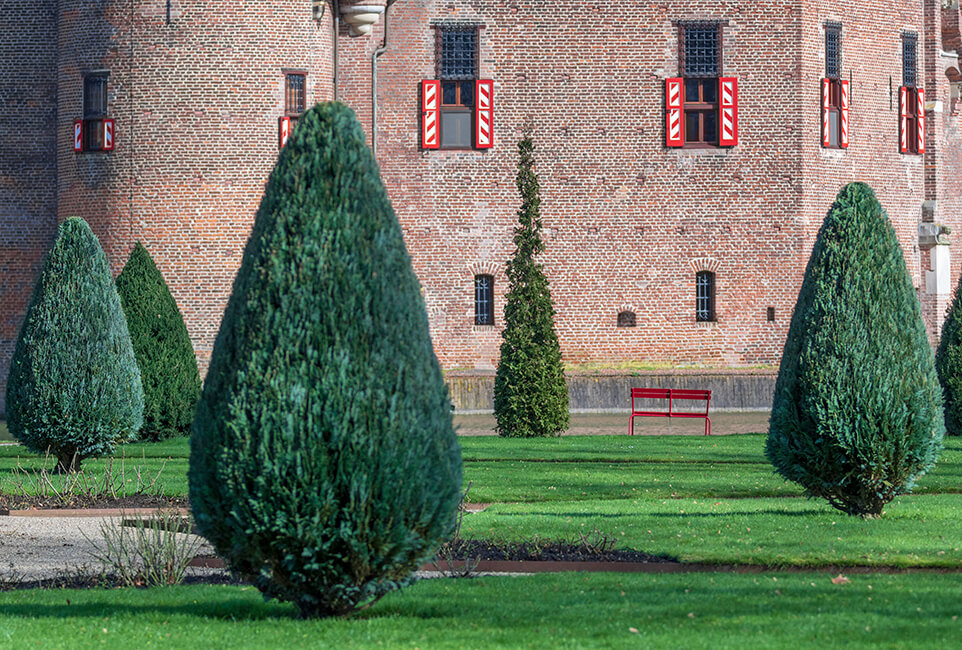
point(28, 111)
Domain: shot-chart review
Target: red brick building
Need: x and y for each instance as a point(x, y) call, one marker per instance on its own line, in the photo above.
point(688, 150)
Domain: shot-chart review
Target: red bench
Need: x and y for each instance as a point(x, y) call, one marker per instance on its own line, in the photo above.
point(670, 394)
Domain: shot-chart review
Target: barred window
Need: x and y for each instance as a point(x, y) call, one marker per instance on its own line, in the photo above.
point(295, 95)
point(833, 50)
point(457, 61)
point(702, 49)
point(704, 296)
point(483, 300)
point(458, 50)
point(909, 59)
point(94, 110)
point(701, 64)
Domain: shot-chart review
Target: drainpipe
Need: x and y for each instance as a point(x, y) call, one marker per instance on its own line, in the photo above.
point(337, 28)
point(378, 52)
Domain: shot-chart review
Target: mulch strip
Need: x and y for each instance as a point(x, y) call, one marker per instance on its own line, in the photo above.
point(86, 506)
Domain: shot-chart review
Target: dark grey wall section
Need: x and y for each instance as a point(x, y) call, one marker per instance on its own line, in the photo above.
point(735, 390)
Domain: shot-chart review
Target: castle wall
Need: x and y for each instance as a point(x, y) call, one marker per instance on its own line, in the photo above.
point(28, 166)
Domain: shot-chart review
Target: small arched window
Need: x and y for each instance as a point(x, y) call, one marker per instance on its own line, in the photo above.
point(483, 300)
point(704, 296)
point(626, 319)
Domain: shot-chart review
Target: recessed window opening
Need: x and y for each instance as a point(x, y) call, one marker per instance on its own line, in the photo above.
point(770, 314)
point(627, 319)
point(457, 61)
point(909, 59)
point(704, 296)
point(295, 95)
point(701, 67)
point(483, 300)
point(833, 72)
point(94, 111)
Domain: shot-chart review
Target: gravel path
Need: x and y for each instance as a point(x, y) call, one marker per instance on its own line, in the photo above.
point(36, 548)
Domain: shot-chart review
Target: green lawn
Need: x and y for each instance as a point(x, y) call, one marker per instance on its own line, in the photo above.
point(698, 499)
point(544, 611)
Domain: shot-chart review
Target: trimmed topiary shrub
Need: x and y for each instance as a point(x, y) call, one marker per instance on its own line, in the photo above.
point(324, 465)
point(74, 387)
point(530, 395)
point(168, 368)
point(857, 414)
point(948, 364)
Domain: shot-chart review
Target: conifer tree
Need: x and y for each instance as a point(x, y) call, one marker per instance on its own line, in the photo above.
point(857, 413)
point(74, 388)
point(948, 363)
point(324, 464)
point(168, 368)
point(530, 395)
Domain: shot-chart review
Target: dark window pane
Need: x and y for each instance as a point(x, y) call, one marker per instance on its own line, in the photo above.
point(449, 93)
point(701, 50)
point(833, 51)
point(710, 126)
point(833, 128)
point(627, 319)
point(459, 53)
point(483, 300)
point(467, 93)
point(691, 90)
point(709, 91)
point(456, 129)
point(692, 126)
point(93, 135)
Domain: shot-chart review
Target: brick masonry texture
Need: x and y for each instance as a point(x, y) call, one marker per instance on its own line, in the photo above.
point(196, 93)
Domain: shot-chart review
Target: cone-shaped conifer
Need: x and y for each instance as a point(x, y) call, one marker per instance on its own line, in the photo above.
point(324, 464)
point(857, 414)
point(530, 395)
point(168, 368)
point(948, 363)
point(74, 388)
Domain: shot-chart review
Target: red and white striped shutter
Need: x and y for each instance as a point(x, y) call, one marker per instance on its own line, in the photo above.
point(283, 131)
point(904, 119)
point(826, 102)
point(674, 128)
point(108, 134)
point(78, 136)
point(843, 116)
point(430, 113)
point(728, 107)
point(484, 114)
point(920, 103)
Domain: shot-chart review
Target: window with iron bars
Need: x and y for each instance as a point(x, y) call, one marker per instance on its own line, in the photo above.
point(705, 296)
point(483, 300)
point(457, 68)
point(295, 95)
point(94, 110)
point(833, 72)
point(701, 66)
point(909, 59)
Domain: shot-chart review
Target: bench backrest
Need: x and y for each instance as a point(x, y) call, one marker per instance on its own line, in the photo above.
point(650, 393)
point(665, 393)
point(678, 393)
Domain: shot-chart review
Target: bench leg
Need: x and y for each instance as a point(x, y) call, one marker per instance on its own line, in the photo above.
point(631, 422)
point(707, 426)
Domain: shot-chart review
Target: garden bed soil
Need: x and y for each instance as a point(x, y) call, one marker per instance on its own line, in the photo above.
point(86, 505)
